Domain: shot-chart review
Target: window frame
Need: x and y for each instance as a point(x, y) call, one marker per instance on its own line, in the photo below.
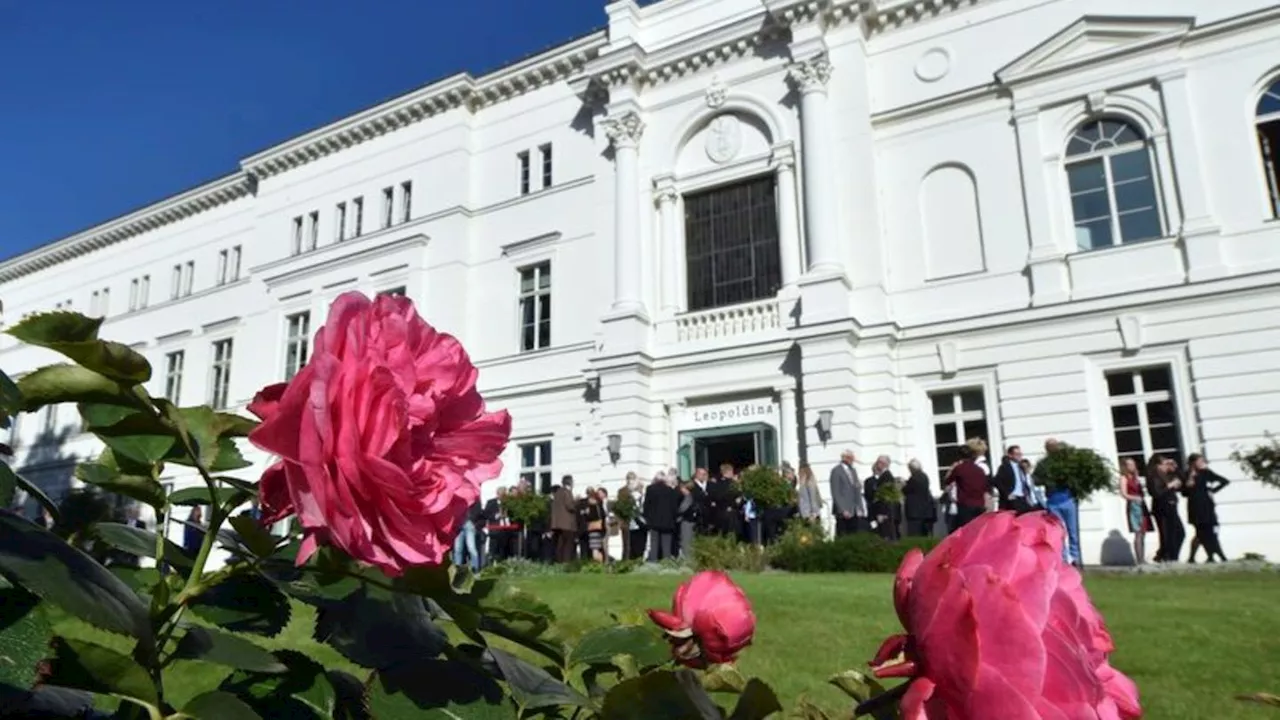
point(540, 297)
point(1141, 399)
point(741, 183)
point(1105, 157)
point(959, 417)
point(388, 206)
point(295, 240)
point(406, 201)
point(543, 466)
point(220, 381)
point(175, 362)
point(546, 165)
point(299, 338)
point(523, 172)
point(357, 222)
point(1269, 156)
point(340, 221)
point(313, 231)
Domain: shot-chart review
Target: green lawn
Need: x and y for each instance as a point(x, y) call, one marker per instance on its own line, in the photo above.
point(1190, 642)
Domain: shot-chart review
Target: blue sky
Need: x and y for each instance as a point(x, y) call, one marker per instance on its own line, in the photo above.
point(109, 106)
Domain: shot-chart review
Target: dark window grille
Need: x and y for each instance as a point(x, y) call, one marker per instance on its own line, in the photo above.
point(731, 244)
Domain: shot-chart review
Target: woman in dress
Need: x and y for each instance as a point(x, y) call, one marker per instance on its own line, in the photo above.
point(597, 516)
point(1135, 508)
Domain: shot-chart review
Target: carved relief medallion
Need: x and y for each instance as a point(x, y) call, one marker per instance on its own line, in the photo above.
point(724, 139)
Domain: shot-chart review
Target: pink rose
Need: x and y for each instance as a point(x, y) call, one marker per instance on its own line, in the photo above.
point(998, 626)
point(710, 621)
point(383, 438)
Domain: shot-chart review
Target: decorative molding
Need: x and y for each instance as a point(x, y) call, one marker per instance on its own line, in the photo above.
point(1089, 40)
point(933, 65)
point(784, 156)
point(1131, 327)
point(1096, 101)
point(723, 138)
point(624, 130)
point(166, 212)
point(810, 75)
point(717, 93)
point(312, 263)
point(949, 357)
point(219, 325)
point(528, 245)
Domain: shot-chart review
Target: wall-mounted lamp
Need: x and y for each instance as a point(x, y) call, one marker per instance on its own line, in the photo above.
point(615, 448)
point(824, 425)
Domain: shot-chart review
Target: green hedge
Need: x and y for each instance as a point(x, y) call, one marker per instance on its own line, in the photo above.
point(861, 552)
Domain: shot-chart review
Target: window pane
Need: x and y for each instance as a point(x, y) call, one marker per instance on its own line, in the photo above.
point(947, 455)
point(527, 337)
point(1161, 413)
point(1138, 226)
point(1086, 176)
point(943, 403)
point(544, 277)
point(1132, 165)
point(1124, 416)
point(975, 429)
point(1156, 379)
point(544, 309)
point(1094, 234)
point(1120, 383)
point(544, 485)
point(546, 453)
point(544, 334)
point(526, 281)
point(972, 400)
point(1270, 100)
point(527, 311)
point(1090, 205)
point(1119, 132)
point(528, 455)
point(945, 434)
point(1129, 441)
point(1164, 440)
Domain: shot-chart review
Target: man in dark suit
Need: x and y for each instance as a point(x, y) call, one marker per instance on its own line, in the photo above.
point(564, 519)
point(701, 501)
point(501, 538)
point(661, 506)
point(847, 503)
point(1015, 488)
point(885, 514)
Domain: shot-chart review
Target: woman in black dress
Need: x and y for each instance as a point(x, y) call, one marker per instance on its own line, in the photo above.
point(1202, 484)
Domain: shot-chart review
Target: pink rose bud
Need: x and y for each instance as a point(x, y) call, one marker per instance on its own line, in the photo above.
point(710, 621)
point(998, 626)
point(383, 439)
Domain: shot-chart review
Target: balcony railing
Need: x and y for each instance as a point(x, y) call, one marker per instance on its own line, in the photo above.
point(723, 322)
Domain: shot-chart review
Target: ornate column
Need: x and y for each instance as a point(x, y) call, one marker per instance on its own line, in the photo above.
point(810, 79)
point(789, 449)
point(784, 163)
point(670, 248)
point(624, 132)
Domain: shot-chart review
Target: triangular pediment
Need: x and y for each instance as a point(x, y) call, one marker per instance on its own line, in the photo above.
point(1091, 38)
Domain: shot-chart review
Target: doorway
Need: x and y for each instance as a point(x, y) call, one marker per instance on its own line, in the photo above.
point(740, 445)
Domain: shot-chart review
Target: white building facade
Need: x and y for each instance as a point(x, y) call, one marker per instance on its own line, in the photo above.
point(716, 226)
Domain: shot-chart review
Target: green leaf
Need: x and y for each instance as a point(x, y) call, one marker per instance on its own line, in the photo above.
point(601, 645)
point(76, 336)
point(443, 689)
point(10, 395)
point(91, 667)
point(724, 678)
point(200, 495)
point(857, 685)
point(142, 488)
point(661, 694)
point(207, 429)
point(229, 457)
point(67, 383)
point(8, 478)
point(8, 485)
point(141, 543)
point(531, 686)
point(379, 634)
point(253, 535)
point(233, 425)
point(144, 449)
point(219, 705)
point(303, 690)
point(220, 648)
point(806, 710)
point(43, 563)
point(352, 697)
point(97, 415)
point(25, 634)
point(245, 602)
point(757, 702)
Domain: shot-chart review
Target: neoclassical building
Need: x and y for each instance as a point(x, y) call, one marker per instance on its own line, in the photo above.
point(765, 230)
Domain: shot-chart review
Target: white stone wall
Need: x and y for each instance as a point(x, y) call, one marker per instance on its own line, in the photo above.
point(924, 224)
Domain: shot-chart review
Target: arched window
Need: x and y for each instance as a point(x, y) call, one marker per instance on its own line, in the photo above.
point(1112, 180)
point(1267, 120)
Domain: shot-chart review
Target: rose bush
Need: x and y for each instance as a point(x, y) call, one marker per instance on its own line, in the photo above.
point(382, 436)
point(999, 626)
point(710, 620)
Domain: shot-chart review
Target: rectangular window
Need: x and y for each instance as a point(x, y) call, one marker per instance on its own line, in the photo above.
point(394, 291)
point(133, 294)
point(95, 302)
point(340, 221)
point(175, 283)
point(222, 267)
point(229, 265)
point(235, 263)
point(958, 416)
point(406, 200)
point(143, 293)
point(535, 307)
point(188, 277)
point(220, 375)
point(358, 229)
point(1269, 144)
point(313, 229)
point(297, 343)
point(388, 205)
point(545, 153)
point(173, 364)
point(535, 465)
point(295, 244)
point(731, 241)
point(523, 158)
point(1144, 414)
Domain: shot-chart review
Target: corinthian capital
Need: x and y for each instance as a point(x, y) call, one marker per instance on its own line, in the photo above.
point(624, 130)
point(810, 75)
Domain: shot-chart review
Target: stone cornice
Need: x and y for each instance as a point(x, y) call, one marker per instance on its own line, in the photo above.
point(454, 92)
point(179, 207)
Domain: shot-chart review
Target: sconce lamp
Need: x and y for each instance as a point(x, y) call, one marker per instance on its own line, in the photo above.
point(615, 448)
point(824, 425)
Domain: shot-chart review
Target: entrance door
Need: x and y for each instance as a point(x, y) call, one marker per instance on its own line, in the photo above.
point(739, 445)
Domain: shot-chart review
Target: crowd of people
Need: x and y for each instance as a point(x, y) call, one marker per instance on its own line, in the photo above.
point(666, 514)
